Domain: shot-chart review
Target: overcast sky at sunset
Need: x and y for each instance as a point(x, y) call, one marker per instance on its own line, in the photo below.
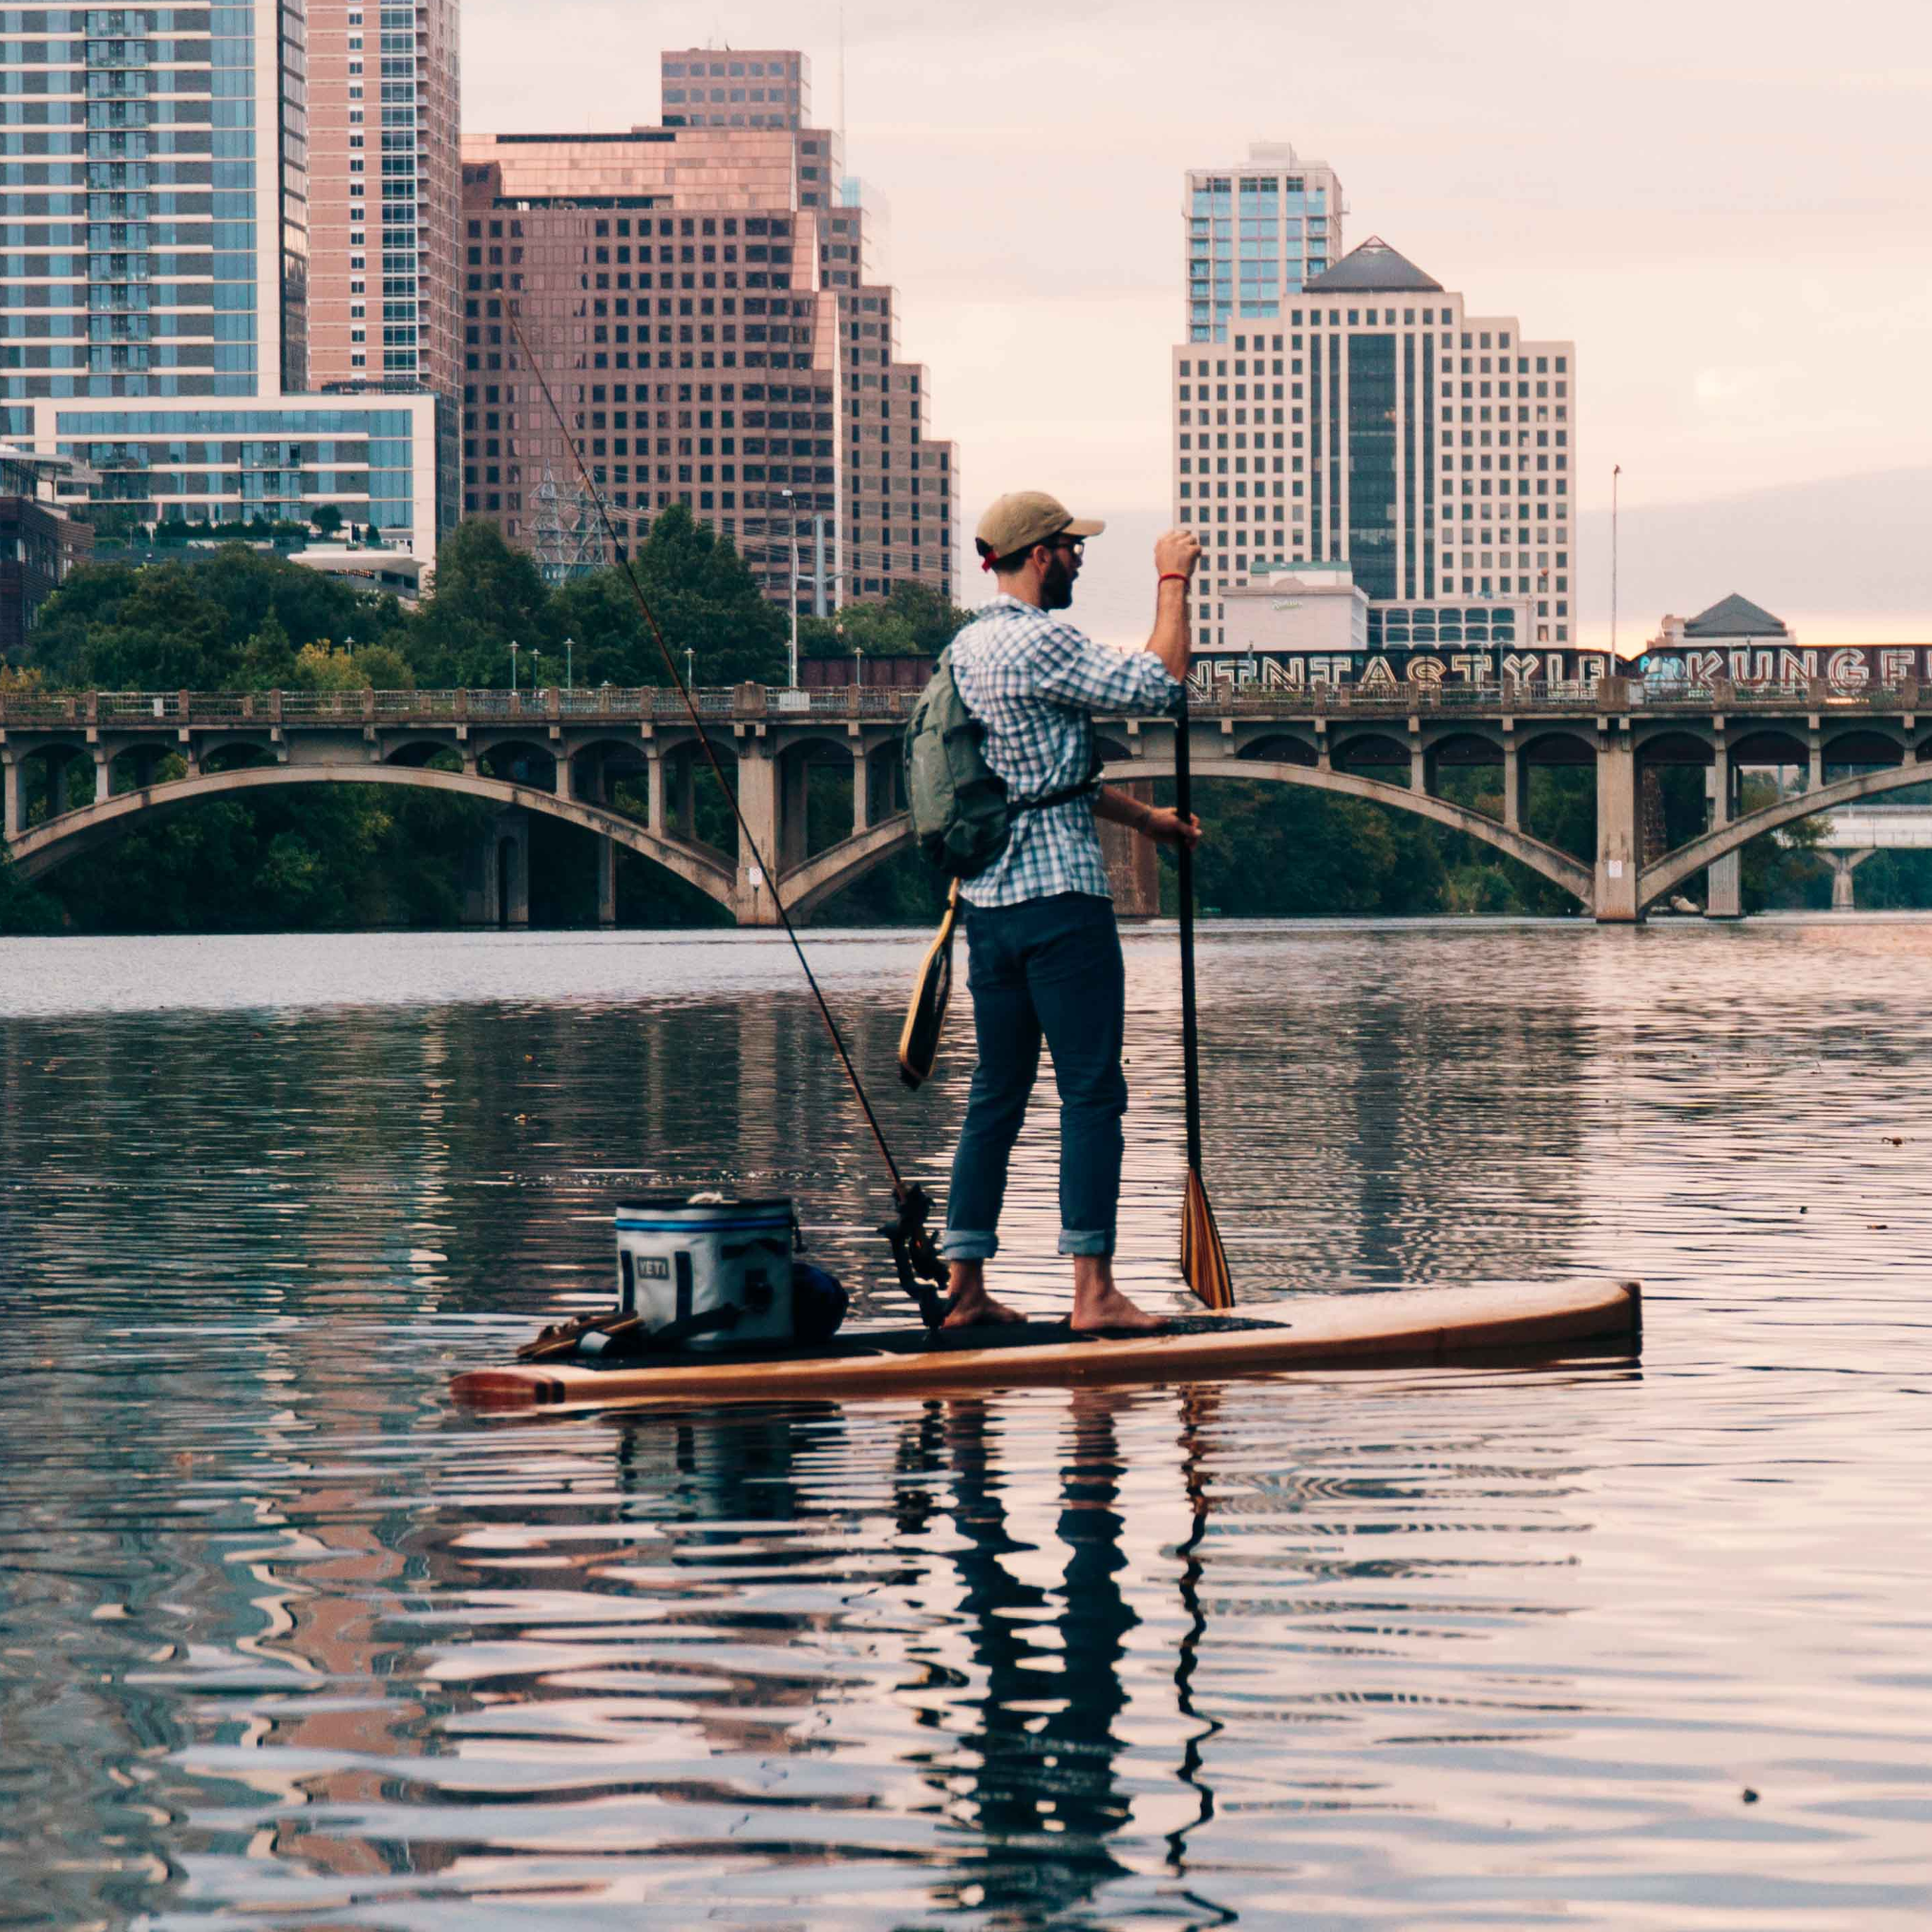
point(1725, 206)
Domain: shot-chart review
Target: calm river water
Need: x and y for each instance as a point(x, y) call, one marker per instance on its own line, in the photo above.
point(287, 1640)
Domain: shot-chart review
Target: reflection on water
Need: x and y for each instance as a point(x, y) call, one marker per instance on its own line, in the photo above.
point(288, 1642)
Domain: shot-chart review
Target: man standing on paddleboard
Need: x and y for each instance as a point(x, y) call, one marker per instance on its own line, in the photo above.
point(1045, 955)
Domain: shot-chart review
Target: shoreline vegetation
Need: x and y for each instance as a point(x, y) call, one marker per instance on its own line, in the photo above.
point(331, 859)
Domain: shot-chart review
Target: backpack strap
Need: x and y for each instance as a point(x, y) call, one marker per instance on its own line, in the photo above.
point(1060, 797)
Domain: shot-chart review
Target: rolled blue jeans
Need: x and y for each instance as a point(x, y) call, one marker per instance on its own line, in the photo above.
point(1045, 969)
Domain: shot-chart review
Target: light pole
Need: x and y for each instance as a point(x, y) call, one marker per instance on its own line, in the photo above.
point(792, 518)
point(690, 668)
point(1614, 475)
point(512, 667)
point(568, 680)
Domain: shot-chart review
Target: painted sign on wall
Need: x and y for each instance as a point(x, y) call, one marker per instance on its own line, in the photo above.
point(1845, 668)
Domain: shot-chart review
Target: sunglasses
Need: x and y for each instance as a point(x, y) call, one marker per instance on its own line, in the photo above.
point(1078, 545)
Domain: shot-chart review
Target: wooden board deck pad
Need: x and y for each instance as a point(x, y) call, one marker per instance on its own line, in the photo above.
point(1401, 1326)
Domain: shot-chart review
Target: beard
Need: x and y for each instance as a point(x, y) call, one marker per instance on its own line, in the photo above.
point(1056, 586)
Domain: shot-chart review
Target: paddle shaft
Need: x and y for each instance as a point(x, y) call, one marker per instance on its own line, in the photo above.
point(1191, 1055)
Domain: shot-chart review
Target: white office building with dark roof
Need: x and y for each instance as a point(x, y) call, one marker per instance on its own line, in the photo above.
point(1362, 414)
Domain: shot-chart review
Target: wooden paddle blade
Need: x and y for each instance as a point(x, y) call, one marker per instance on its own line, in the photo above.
point(1204, 1261)
point(925, 1015)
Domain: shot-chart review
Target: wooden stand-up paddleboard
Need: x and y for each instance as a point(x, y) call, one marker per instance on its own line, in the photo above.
point(1408, 1326)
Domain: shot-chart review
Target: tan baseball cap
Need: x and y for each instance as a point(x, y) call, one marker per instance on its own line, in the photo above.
point(1025, 517)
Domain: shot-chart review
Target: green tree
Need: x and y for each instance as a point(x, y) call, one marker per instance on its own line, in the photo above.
point(224, 622)
point(709, 602)
point(486, 594)
point(328, 520)
point(25, 910)
point(915, 621)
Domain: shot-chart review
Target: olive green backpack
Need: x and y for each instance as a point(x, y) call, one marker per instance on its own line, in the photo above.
point(961, 815)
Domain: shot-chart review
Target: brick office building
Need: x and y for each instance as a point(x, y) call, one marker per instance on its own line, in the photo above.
point(698, 298)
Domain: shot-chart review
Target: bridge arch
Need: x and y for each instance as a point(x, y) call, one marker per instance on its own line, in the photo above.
point(1281, 747)
point(1675, 867)
point(826, 874)
point(1555, 865)
point(415, 753)
point(49, 845)
point(1368, 747)
point(1558, 745)
point(1459, 747)
point(1671, 747)
point(219, 747)
point(1861, 747)
point(1770, 745)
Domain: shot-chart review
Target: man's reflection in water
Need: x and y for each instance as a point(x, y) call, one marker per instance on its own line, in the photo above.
point(1038, 1775)
point(1030, 1763)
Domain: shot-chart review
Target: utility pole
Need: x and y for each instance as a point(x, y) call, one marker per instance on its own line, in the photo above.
point(791, 516)
point(818, 564)
point(1614, 475)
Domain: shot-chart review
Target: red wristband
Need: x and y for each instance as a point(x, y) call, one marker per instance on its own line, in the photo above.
point(1172, 576)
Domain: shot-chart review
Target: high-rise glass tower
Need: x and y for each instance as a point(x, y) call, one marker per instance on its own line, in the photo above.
point(1251, 235)
point(154, 273)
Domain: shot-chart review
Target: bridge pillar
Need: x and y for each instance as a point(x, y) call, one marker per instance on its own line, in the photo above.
point(794, 780)
point(1615, 893)
point(683, 802)
point(13, 784)
point(861, 788)
point(757, 799)
point(1843, 864)
point(496, 883)
point(104, 776)
point(1723, 892)
point(1515, 785)
point(606, 881)
point(653, 788)
point(1133, 865)
point(598, 792)
point(513, 858)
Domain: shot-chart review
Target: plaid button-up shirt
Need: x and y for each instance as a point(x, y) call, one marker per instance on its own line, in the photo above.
point(1035, 683)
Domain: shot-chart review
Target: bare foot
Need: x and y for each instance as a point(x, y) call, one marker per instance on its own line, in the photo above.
point(972, 1308)
point(1106, 1306)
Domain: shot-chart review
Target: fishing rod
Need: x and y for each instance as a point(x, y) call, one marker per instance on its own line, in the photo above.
point(914, 1253)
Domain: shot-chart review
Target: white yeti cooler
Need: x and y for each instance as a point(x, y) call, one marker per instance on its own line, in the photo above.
point(707, 1273)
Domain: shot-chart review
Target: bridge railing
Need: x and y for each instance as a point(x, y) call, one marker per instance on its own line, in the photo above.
point(658, 705)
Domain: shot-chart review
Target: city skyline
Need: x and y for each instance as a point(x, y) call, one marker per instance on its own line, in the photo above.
point(1723, 214)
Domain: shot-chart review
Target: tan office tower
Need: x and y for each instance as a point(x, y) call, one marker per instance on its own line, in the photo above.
point(733, 86)
point(384, 193)
point(698, 296)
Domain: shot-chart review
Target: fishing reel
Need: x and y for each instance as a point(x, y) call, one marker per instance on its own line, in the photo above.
point(916, 1255)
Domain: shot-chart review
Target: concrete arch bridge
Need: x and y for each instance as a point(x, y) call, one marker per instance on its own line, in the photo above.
point(817, 773)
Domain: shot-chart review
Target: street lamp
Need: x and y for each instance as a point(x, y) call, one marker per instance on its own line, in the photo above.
point(791, 516)
point(690, 668)
point(568, 680)
point(512, 667)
